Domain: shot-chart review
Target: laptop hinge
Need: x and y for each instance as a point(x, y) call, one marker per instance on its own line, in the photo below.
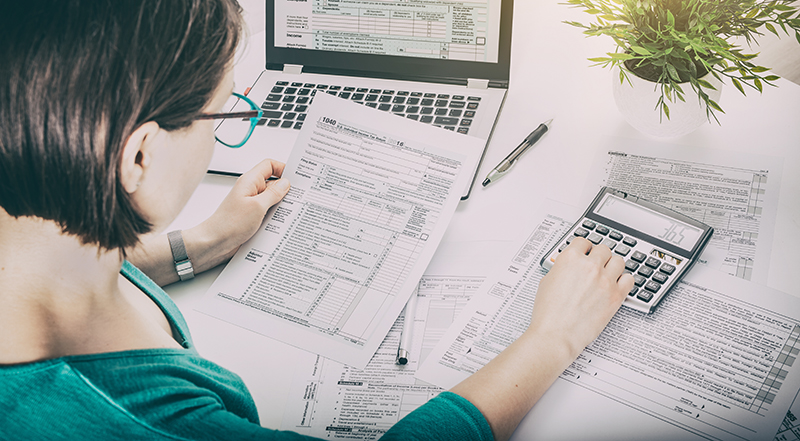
point(474, 83)
point(295, 69)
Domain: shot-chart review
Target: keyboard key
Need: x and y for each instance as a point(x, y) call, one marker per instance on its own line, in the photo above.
point(472, 106)
point(385, 98)
point(357, 97)
point(412, 101)
point(362, 90)
point(454, 112)
point(464, 130)
point(623, 250)
point(309, 85)
point(302, 100)
point(412, 109)
point(589, 225)
point(373, 104)
point(458, 97)
point(271, 114)
point(660, 277)
point(443, 96)
point(398, 108)
point(274, 123)
point(414, 117)
point(667, 268)
point(290, 90)
point(652, 262)
point(441, 103)
point(336, 88)
point(615, 235)
point(450, 128)
point(388, 92)
point(384, 106)
point(402, 93)
point(595, 238)
point(274, 97)
point(288, 98)
point(645, 296)
point(270, 106)
point(426, 110)
point(602, 230)
point(416, 93)
point(440, 112)
point(304, 92)
point(445, 121)
point(638, 280)
point(465, 122)
point(300, 108)
point(322, 86)
point(426, 118)
point(469, 114)
point(430, 95)
point(349, 89)
point(629, 241)
point(277, 89)
point(631, 265)
point(645, 271)
point(474, 98)
point(378, 91)
point(282, 83)
point(427, 102)
point(345, 95)
point(457, 104)
point(371, 97)
point(290, 115)
point(638, 256)
point(297, 84)
point(287, 124)
point(287, 107)
point(580, 232)
point(652, 286)
point(301, 117)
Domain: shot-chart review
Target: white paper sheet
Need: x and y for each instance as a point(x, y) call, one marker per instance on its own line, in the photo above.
point(335, 262)
point(716, 360)
point(735, 193)
point(334, 401)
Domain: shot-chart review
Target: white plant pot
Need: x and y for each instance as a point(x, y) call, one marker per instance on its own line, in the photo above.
point(637, 102)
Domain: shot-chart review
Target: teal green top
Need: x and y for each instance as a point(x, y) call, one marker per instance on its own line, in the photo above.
point(171, 394)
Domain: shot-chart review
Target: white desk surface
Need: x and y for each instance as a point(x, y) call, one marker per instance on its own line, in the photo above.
point(550, 78)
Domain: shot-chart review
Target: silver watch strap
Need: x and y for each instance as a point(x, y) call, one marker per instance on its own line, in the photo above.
point(182, 263)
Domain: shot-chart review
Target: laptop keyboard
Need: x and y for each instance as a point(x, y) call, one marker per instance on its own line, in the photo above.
point(287, 104)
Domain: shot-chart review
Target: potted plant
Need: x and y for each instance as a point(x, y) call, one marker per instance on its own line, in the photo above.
point(680, 44)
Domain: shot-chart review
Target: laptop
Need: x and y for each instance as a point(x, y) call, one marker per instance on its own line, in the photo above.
point(444, 63)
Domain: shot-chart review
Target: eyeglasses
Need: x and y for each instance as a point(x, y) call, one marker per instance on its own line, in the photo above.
point(235, 133)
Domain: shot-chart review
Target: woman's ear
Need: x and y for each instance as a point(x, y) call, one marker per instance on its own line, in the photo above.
point(137, 154)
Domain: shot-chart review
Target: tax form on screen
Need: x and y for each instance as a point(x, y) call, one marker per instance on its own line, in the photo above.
point(462, 30)
point(335, 262)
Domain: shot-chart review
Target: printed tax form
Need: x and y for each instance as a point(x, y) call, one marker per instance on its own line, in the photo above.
point(336, 261)
point(716, 360)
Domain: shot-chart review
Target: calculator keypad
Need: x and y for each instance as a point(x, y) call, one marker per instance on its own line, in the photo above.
point(650, 272)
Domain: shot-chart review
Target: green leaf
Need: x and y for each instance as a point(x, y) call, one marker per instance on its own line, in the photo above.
point(738, 85)
point(715, 106)
point(665, 108)
point(600, 59)
point(620, 56)
point(670, 18)
point(772, 78)
point(640, 50)
point(673, 73)
point(759, 69)
point(758, 85)
point(797, 36)
point(706, 84)
point(771, 28)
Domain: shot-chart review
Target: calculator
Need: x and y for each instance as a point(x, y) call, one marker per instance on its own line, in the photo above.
point(659, 245)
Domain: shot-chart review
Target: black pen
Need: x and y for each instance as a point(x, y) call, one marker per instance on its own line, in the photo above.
point(505, 164)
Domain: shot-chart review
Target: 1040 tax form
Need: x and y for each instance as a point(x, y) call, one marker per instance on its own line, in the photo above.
point(335, 262)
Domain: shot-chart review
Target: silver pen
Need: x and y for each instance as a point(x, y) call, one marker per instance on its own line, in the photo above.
point(505, 165)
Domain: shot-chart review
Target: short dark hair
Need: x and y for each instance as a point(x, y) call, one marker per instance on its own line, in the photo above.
point(77, 77)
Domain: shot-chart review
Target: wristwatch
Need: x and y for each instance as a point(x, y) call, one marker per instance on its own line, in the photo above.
point(183, 265)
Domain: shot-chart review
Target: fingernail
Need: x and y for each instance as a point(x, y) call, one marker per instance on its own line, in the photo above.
point(281, 184)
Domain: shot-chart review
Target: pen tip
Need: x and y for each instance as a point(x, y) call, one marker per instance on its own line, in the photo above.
point(486, 182)
point(548, 122)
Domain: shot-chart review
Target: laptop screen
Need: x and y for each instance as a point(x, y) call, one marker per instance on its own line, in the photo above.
point(450, 30)
point(435, 40)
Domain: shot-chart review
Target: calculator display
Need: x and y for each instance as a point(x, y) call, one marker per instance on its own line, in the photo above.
point(650, 222)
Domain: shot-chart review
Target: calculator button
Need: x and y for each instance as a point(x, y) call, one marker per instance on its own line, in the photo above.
point(629, 241)
point(645, 271)
point(638, 280)
point(615, 235)
point(589, 225)
point(652, 286)
point(609, 243)
point(563, 245)
point(652, 262)
point(633, 291)
point(581, 232)
point(569, 239)
point(667, 268)
point(623, 250)
point(660, 277)
point(631, 265)
point(638, 256)
point(601, 230)
point(595, 238)
point(645, 296)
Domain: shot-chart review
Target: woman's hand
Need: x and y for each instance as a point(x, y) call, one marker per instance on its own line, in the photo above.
point(239, 215)
point(218, 238)
point(580, 294)
point(573, 304)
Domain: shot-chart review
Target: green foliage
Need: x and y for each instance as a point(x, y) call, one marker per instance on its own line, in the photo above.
point(679, 41)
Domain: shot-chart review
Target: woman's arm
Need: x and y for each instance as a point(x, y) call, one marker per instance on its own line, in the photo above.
point(575, 301)
point(217, 239)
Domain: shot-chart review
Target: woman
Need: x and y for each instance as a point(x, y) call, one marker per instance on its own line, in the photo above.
point(102, 142)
